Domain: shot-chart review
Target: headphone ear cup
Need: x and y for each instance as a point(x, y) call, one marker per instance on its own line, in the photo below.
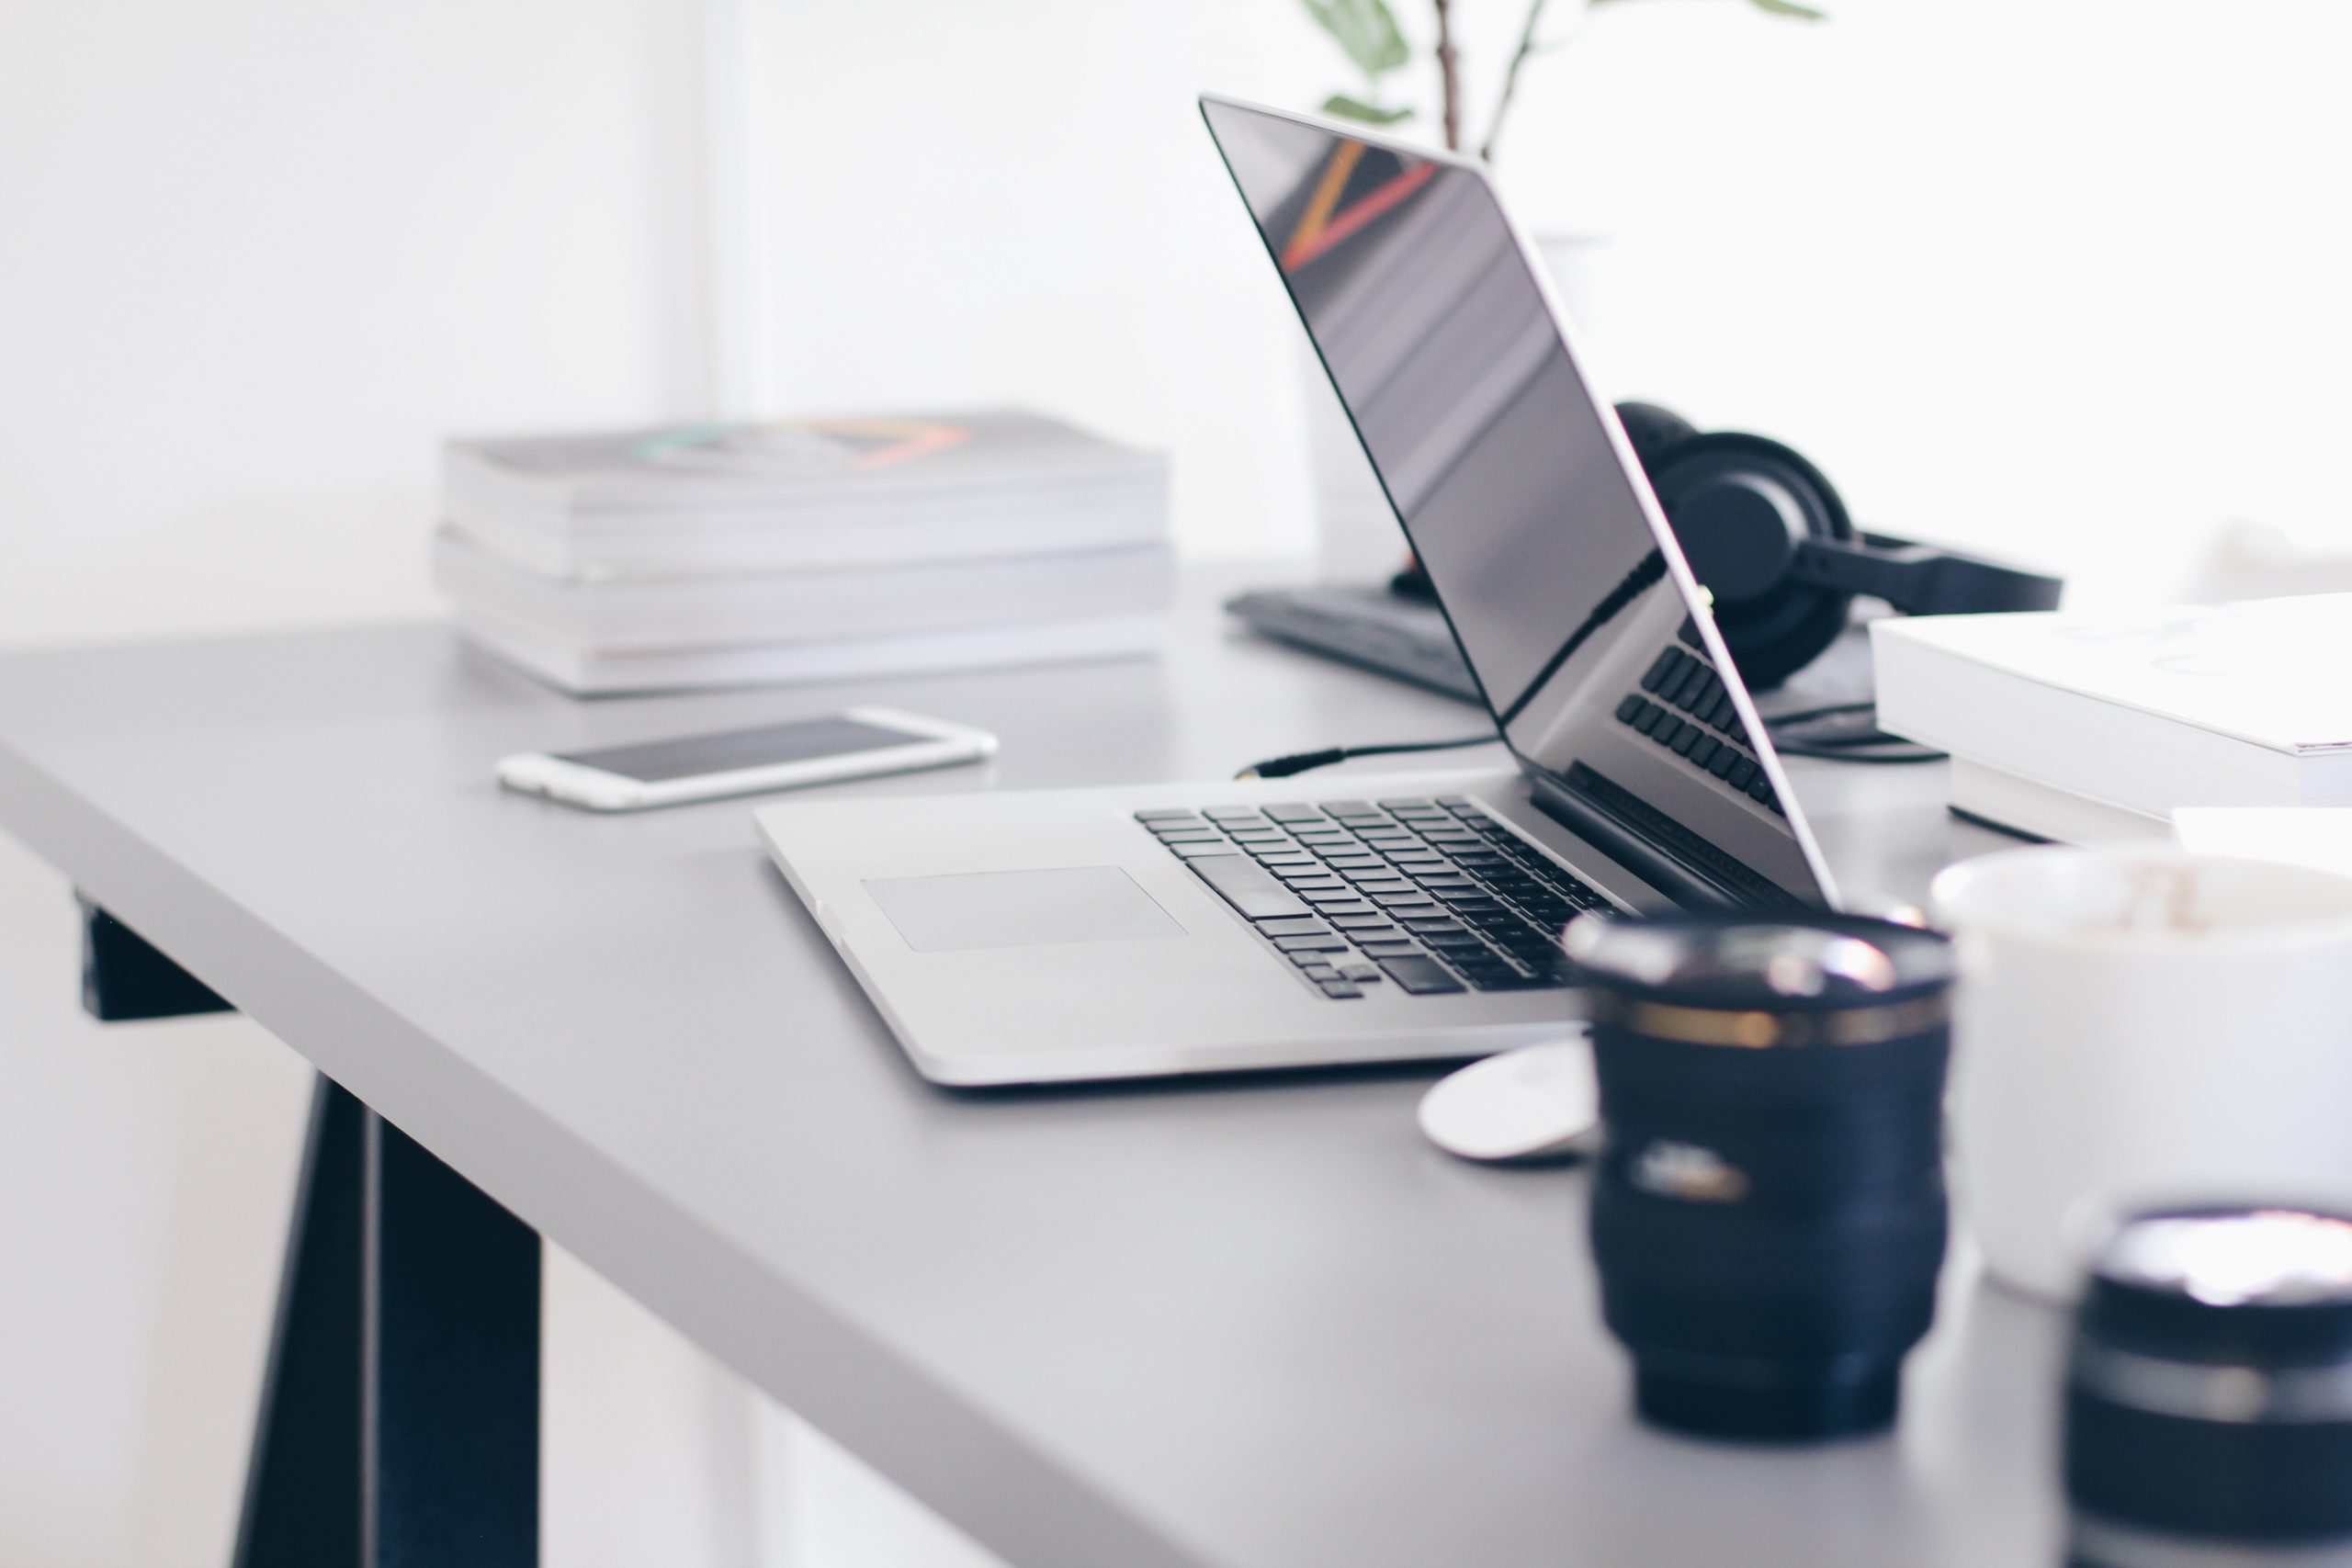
point(1739, 506)
point(1655, 432)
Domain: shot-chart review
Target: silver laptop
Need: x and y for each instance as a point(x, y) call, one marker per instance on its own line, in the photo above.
point(1032, 937)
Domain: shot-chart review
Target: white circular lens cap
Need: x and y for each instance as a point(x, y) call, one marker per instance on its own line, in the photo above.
point(1537, 1102)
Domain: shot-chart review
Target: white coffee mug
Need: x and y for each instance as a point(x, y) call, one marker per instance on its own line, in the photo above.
point(2136, 1026)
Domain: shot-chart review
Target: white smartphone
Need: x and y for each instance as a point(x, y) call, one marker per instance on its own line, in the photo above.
point(854, 744)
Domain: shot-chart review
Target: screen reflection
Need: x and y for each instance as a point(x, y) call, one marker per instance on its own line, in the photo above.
point(1501, 465)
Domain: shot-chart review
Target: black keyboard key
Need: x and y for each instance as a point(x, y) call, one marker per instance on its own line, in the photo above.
point(1630, 708)
point(1267, 835)
point(1293, 813)
point(1183, 833)
point(1395, 805)
point(1355, 863)
point(1511, 980)
point(1420, 976)
point(1426, 927)
point(1311, 944)
point(1368, 928)
point(1343, 990)
point(1702, 751)
point(1248, 887)
point(1233, 813)
point(1388, 949)
point(1167, 814)
point(1404, 904)
point(1670, 730)
point(1204, 847)
point(1360, 973)
point(1669, 661)
point(1311, 960)
point(1691, 736)
point(1271, 858)
point(1303, 926)
point(1335, 897)
point(1726, 759)
point(1686, 689)
point(1357, 808)
point(1743, 772)
point(1319, 968)
point(1761, 788)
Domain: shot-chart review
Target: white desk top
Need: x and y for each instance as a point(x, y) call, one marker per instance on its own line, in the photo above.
point(1235, 1325)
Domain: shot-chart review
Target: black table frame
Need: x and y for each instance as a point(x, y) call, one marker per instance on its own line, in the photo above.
point(399, 1424)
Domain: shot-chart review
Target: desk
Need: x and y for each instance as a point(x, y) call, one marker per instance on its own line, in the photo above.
point(1230, 1325)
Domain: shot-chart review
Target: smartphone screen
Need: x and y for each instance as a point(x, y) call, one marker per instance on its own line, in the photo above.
point(800, 742)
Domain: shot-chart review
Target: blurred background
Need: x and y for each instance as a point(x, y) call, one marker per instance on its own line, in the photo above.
point(2059, 279)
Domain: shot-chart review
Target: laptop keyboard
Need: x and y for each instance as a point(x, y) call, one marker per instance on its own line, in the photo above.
point(1429, 897)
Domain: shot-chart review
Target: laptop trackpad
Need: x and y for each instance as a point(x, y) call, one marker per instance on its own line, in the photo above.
point(1020, 909)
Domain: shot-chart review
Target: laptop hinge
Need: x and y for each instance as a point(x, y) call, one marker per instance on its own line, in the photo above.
point(1670, 876)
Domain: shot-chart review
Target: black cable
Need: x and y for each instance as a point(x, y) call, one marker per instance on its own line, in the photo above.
point(1879, 760)
point(1827, 748)
point(1774, 721)
point(1836, 748)
point(1302, 761)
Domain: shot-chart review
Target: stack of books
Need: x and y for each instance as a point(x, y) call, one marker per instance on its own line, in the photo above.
point(2085, 729)
point(724, 554)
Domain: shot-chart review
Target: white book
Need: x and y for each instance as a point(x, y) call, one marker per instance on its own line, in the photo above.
point(677, 613)
point(2244, 705)
point(590, 674)
point(2032, 809)
point(880, 533)
point(2313, 836)
point(773, 469)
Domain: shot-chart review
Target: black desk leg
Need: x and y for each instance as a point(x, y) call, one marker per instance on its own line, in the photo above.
point(449, 1422)
point(302, 1483)
point(400, 1418)
point(126, 976)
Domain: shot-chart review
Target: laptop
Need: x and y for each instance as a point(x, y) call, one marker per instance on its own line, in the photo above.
point(1030, 937)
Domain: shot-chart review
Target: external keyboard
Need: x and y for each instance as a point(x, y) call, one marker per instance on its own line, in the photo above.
point(1430, 897)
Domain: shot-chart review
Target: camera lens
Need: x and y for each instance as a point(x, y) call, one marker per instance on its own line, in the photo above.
point(1767, 1209)
point(2209, 1401)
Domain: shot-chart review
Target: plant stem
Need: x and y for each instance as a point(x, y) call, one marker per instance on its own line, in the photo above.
point(1449, 71)
point(1510, 76)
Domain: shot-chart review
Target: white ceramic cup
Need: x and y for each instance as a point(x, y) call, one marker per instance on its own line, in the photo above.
point(2138, 1026)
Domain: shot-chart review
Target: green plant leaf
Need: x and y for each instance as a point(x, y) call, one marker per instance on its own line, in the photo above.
point(1789, 9)
point(1338, 106)
point(1365, 31)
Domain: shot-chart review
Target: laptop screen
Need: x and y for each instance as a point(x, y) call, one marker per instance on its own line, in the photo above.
point(1568, 601)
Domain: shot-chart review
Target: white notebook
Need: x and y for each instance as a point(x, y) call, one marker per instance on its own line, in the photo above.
point(2241, 704)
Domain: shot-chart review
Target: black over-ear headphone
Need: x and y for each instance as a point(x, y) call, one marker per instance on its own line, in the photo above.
point(1768, 536)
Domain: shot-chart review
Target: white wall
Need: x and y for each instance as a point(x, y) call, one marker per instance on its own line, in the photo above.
point(2059, 279)
point(2062, 277)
